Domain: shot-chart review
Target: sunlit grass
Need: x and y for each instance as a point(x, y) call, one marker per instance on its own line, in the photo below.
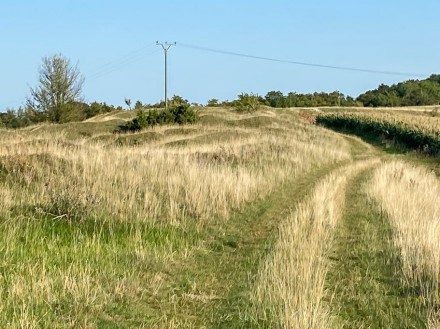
point(91, 231)
point(410, 196)
point(290, 287)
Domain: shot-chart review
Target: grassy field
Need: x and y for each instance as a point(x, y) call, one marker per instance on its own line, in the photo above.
point(259, 220)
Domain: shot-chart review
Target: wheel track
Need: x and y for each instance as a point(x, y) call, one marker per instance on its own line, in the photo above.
point(364, 282)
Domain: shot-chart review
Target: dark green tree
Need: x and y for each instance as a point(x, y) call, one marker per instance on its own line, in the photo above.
point(213, 102)
point(138, 105)
point(275, 99)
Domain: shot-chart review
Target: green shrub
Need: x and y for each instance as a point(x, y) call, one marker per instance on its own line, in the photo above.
point(247, 103)
point(179, 114)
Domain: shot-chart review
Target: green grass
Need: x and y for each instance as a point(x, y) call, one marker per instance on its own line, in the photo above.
point(196, 276)
point(365, 282)
point(224, 269)
point(106, 249)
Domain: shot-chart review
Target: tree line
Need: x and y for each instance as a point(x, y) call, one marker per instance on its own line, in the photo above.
point(58, 97)
point(408, 93)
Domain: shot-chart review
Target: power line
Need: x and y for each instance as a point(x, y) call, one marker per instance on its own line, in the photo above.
point(344, 68)
point(113, 66)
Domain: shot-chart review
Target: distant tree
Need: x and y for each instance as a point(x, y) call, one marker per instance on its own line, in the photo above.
point(9, 118)
point(14, 118)
point(275, 99)
point(138, 105)
point(178, 100)
point(213, 102)
point(434, 78)
point(96, 108)
point(128, 102)
point(60, 84)
point(141, 118)
point(247, 103)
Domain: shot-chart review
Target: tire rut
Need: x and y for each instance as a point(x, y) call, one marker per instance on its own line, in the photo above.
point(363, 284)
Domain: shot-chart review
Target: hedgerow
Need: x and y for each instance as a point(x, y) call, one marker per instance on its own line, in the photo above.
point(422, 134)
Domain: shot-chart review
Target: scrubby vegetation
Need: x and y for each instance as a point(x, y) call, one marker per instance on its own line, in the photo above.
point(71, 112)
point(176, 114)
point(247, 103)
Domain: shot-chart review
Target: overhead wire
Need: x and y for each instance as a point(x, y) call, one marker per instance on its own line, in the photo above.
point(110, 67)
point(334, 67)
point(113, 66)
point(141, 53)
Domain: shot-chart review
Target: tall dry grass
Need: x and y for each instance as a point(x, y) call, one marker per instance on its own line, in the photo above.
point(157, 183)
point(410, 196)
point(71, 249)
point(289, 290)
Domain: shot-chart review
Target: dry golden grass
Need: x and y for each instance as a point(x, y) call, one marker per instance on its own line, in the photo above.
point(410, 196)
point(71, 248)
point(289, 290)
point(157, 183)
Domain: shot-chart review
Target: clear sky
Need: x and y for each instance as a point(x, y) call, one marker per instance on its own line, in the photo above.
point(113, 43)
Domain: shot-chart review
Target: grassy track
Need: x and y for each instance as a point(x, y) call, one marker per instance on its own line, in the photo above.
point(365, 280)
point(215, 285)
point(185, 221)
point(280, 205)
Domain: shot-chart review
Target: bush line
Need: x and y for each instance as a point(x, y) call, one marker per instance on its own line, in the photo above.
point(411, 137)
point(180, 114)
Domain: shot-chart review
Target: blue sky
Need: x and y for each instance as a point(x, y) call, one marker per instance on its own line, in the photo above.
point(113, 43)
